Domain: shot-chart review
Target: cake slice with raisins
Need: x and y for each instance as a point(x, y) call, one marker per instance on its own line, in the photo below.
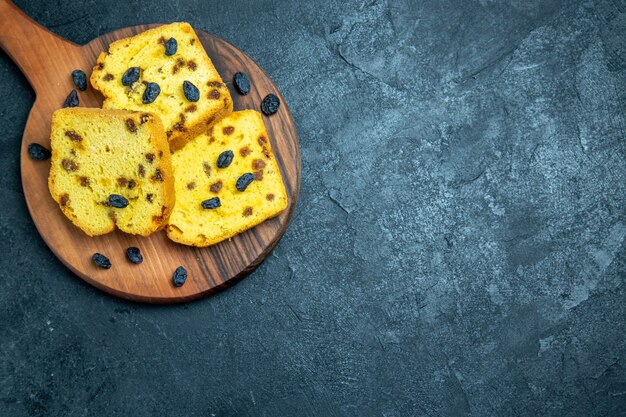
point(165, 71)
point(111, 168)
point(226, 180)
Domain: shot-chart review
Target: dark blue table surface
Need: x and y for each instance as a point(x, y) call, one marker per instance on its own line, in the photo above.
point(458, 248)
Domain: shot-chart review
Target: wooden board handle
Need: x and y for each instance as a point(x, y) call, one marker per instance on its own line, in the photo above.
point(31, 46)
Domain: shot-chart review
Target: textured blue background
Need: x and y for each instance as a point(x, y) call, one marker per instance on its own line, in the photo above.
point(458, 248)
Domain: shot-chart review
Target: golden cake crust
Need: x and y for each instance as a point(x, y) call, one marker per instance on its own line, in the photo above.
point(183, 119)
point(198, 178)
point(96, 153)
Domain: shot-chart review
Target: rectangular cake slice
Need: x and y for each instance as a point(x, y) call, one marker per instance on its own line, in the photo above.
point(165, 71)
point(111, 168)
point(226, 180)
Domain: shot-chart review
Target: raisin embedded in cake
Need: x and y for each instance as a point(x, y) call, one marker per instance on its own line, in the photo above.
point(165, 71)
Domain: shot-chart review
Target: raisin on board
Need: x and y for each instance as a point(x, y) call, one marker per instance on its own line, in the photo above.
point(134, 255)
point(38, 152)
point(191, 91)
point(71, 100)
point(270, 104)
point(241, 83)
point(211, 203)
point(130, 76)
point(101, 260)
point(171, 46)
point(118, 201)
point(79, 79)
point(225, 159)
point(179, 277)
point(244, 181)
point(152, 92)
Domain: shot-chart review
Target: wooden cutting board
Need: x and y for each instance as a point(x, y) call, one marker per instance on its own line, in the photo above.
point(47, 61)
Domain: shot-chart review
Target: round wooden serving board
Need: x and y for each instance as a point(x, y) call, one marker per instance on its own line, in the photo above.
point(47, 61)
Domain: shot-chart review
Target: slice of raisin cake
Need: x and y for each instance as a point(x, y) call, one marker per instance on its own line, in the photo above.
point(165, 71)
point(227, 181)
point(111, 168)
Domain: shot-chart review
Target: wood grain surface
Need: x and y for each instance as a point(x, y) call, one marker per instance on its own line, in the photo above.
point(47, 61)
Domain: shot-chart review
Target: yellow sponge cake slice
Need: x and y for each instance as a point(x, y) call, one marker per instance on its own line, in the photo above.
point(111, 168)
point(226, 180)
point(165, 71)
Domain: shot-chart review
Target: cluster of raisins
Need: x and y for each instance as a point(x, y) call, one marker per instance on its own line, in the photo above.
point(223, 161)
point(270, 103)
point(134, 255)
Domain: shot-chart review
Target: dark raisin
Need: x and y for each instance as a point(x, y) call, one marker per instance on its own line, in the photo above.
point(247, 212)
point(179, 277)
point(245, 151)
point(71, 100)
point(134, 255)
point(130, 76)
point(131, 184)
point(269, 197)
point(192, 65)
point(215, 188)
point(150, 157)
point(171, 47)
point(152, 92)
point(241, 83)
point(244, 181)
point(192, 108)
point(64, 200)
point(228, 130)
point(38, 152)
point(214, 94)
point(149, 197)
point(73, 136)
point(270, 104)
point(141, 171)
point(211, 203)
point(258, 175)
point(121, 181)
point(225, 159)
point(84, 181)
point(108, 77)
point(191, 91)
point(191, 185)
point(118, 201)
point(101, 260)
point(80, 79)
point(130, 125)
